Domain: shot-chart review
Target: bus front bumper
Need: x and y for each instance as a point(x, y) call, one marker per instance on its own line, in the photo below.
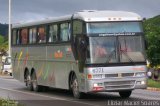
point(115, 85)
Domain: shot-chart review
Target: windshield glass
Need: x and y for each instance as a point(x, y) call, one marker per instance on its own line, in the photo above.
point(115, 49)
point(8, 61)
point(102, 50)
point(114, 27)
point(131, 49)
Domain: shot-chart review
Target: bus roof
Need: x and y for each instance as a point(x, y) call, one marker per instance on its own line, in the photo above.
point(89, 16)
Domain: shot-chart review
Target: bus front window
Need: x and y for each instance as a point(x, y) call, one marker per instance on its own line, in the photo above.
point(102, 50)
point(115, 49)
point(114, 27)
point(131, 49)
point(115, 42)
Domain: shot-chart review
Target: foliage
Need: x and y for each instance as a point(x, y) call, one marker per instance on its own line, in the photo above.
point(3, 29)
point(152, 83)
point(3, 45)
point(1, 40)
point(152, 32)
point(8, 102)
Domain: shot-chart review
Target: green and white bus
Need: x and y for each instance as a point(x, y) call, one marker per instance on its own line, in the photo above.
point(88, 51)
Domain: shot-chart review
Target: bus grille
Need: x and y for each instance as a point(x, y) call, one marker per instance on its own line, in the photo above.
point(111, 75)
point(113, 85)
point(127, 74)
point(122, 75)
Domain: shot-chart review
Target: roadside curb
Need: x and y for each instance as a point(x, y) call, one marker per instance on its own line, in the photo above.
point(153, 89)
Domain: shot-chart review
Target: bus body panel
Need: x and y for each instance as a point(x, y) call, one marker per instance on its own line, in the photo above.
point(52, 64)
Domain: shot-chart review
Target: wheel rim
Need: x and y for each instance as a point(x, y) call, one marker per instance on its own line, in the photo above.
point(34, 82)
point(75, 87)
point(28, 83)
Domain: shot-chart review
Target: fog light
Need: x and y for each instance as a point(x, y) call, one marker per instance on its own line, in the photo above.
point(140, 82)
point(95, 85)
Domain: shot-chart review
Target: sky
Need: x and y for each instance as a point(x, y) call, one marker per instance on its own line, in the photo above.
point(30, 10)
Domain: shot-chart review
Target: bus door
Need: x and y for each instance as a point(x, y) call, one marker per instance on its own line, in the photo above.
point(81, 49)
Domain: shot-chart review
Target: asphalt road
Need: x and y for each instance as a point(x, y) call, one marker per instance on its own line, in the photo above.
point(13, 89)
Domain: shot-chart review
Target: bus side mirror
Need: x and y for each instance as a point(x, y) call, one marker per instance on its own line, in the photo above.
point(83, 44)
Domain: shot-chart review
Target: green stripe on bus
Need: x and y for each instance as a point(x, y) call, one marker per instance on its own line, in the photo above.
point(46, 74)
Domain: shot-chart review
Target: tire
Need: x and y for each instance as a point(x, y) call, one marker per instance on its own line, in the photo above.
point(36, 87)
point(29, 82)
point(125, 94)
point(75, 88)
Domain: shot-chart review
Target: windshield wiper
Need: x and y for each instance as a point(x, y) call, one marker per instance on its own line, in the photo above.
point(125, 52)
point(129, 58)
point(111, 54)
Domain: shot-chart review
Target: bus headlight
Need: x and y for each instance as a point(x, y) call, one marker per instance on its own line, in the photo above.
point(141, 82)
point(140, 74)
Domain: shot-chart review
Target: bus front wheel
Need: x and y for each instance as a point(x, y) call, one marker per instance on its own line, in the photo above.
point(125, 94)
point(75, 88)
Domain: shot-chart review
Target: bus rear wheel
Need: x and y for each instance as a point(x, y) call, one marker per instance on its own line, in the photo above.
point(125, 94)
point(29, 83)
point(75, 88)
point(36, 87)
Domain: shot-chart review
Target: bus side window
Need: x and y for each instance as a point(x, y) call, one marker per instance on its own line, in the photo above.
point(14, 37)
point(32, 35)
point(53, 33)
point(77, 27)
point(18, 40)
point(64, 32)
point(42, 34)
point(24, 35)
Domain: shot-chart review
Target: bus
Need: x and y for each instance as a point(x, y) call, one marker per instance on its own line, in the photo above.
point(89, 51)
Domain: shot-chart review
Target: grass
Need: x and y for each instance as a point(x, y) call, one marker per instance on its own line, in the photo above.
point(8, 102)
point(152, 83)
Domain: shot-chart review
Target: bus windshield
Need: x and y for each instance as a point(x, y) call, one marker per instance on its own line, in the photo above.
point(115, 49)
point(114, 27)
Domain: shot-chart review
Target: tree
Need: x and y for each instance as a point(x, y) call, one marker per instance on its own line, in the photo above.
point(3, 46)
point(152, 32)
point(1, 39)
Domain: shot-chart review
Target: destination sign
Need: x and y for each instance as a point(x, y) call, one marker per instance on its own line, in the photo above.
point(116, 34)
